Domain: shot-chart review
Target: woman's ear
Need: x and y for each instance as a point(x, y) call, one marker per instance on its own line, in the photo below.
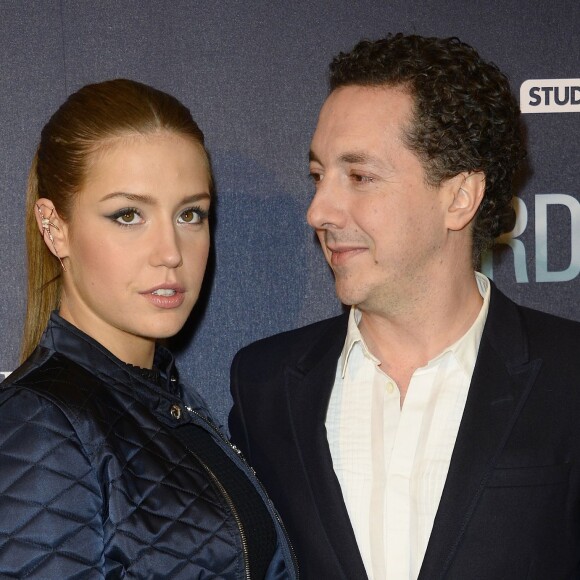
point(52, 228)
point(467, 193)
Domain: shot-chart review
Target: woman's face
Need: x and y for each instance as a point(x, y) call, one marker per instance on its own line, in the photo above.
point(137, 243)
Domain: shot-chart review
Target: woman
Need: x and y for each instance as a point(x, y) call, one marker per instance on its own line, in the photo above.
point(107, 468)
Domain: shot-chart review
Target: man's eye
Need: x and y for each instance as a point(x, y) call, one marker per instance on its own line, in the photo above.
point(316, 177)
point(361, 178)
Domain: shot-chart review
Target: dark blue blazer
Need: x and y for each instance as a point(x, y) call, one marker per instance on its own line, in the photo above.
point(510, 507)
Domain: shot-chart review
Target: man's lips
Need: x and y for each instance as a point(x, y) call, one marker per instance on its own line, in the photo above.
point(340, 255)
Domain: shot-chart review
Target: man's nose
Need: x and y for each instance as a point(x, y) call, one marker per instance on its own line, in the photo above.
point(327, 207)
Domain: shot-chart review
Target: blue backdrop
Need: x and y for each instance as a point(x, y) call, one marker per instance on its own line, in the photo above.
point(254, 75)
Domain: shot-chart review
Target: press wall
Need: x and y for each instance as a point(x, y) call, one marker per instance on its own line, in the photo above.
point(254, 75)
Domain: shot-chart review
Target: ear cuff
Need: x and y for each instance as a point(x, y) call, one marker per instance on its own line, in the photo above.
point(46, 225)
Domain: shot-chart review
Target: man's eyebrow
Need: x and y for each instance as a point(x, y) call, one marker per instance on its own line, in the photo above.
point(349, 157)
point(150, 200)
point(357, 157)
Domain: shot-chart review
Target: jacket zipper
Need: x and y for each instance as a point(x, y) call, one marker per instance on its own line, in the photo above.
point(239, 453)
point(232, 506)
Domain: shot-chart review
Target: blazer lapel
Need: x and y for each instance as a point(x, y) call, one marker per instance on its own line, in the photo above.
point(501, 382)
point(309, 385)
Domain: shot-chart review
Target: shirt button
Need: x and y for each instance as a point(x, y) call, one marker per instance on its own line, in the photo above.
point(390, 387)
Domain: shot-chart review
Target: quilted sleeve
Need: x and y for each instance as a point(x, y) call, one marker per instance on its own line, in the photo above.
point(50, 500)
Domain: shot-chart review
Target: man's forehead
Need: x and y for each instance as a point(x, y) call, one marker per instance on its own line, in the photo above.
point(364, 96)
point(357, 122)
point(366, 108)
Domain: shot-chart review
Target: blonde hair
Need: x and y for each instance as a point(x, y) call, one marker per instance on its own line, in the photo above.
point(87, 121)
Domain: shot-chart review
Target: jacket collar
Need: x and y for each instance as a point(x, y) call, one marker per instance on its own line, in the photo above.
point(502, 380)
point(62, 337)
point(328, 345)
point(308, 386)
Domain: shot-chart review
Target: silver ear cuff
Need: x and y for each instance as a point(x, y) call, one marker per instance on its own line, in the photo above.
point(46, 225)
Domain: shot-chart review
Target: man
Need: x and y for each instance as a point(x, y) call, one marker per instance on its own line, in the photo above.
point(434, 430)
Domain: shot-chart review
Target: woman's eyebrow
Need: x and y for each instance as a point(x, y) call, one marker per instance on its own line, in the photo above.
point(149, 199)
point(142, 197)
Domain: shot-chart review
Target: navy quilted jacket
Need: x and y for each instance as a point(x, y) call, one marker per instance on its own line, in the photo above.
point(95, 483)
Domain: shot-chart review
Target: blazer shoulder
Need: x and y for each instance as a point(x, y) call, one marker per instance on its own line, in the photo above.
point(520, 333)
point(539, 319)
point(292, 344)
point(551, 334)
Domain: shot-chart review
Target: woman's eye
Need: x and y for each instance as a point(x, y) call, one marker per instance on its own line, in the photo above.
point(316, 177)
point(127, 217)
point(191, 216)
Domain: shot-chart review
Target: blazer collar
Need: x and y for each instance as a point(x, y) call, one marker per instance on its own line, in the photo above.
point(308, 387)
point(501, 382)
point(328, 344)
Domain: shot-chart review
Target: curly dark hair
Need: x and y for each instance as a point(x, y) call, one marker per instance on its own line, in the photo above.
point(465, 116)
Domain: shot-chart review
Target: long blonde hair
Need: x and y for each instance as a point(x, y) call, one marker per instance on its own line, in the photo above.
point(95, 115)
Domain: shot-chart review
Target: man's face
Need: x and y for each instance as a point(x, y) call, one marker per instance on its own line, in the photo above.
point(381, 227)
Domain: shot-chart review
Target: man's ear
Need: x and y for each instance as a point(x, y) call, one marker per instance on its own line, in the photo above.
point(52, 228)
point(466, 191)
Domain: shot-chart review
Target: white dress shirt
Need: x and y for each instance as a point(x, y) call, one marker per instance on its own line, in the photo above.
point(391, 462)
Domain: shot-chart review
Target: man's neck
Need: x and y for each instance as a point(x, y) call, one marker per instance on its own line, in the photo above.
point(408, 340)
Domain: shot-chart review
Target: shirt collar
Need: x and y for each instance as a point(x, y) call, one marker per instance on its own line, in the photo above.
point(464, 349)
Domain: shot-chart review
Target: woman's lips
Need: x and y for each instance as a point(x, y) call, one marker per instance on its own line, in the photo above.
point(165, 296)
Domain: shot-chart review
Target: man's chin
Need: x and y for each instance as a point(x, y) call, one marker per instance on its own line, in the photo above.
point(348, 296)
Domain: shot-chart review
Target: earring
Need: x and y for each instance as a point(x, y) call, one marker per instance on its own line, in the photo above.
point(46, 225)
